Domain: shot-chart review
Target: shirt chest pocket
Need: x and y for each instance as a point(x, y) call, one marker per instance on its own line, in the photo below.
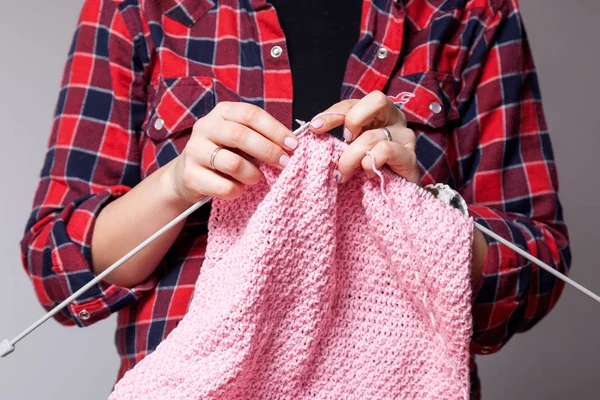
point(174, 105)
point(428, 101)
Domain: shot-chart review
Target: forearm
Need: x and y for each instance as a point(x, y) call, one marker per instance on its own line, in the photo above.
point(129, 220)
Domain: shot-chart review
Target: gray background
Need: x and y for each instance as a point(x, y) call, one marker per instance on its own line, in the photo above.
point(556, 360)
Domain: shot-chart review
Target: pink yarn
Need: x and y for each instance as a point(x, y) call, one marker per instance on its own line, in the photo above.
point(314, 289)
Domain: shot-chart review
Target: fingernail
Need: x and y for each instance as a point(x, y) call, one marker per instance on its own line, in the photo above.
point(317, 123)
point(290, 142)
point(284, 160)
point(338, 176)
point(347, 135)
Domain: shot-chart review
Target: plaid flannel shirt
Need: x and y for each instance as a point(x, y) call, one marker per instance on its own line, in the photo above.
point(141, 72)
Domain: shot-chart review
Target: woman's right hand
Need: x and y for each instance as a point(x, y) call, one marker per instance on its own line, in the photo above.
point(243, 131)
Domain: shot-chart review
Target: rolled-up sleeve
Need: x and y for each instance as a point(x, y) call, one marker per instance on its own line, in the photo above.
point(509, 181)
point(92, 158)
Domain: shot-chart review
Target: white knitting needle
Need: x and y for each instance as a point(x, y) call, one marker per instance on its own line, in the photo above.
point(538, 262)
point(7, 347)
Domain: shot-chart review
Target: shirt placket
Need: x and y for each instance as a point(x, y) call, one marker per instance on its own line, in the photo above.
point(378, 49)
point(277, 73)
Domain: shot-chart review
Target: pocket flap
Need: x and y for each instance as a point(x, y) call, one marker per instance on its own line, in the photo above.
point(425, 98)
point(177, 103)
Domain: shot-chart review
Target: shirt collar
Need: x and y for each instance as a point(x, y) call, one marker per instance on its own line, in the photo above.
point(188, 12)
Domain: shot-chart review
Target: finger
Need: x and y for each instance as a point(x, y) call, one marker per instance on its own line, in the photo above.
point(235, 166)
point(326, 122)
point(352, 156)
point(411, 140)
point(258, 120)
point(251, 142)
point(399, 158)
point(372, 111)
point(201, 181)
point(382, 152)
point(403, 135)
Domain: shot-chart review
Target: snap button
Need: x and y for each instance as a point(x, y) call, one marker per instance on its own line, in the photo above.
point(435, 107)
point(159, 124)
point(486, 350)
point(382, 53)
point(276, 51)
point(84, 315)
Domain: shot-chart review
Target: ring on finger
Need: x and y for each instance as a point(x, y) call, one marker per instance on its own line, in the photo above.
point(212, 158)
point(388, 134)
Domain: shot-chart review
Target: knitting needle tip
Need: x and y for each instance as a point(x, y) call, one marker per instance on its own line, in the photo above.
point(6, 348)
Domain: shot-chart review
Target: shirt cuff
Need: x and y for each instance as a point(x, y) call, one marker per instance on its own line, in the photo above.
point(72, 263)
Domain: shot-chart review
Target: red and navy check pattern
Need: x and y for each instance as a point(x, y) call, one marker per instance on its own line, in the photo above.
point(135, 61)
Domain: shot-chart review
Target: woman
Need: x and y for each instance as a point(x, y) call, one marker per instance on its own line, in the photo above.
point(166, 101)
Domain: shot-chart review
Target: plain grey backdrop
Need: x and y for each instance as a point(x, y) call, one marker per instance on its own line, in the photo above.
point(558, 359)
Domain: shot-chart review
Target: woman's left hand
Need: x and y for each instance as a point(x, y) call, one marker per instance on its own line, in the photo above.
point(363, 122)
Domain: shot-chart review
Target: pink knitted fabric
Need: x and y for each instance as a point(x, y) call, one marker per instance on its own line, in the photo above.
point(314, 289)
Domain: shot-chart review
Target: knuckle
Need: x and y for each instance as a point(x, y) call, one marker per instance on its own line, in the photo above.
point(372, 136)
point(236, 192)
point(387, 149)
point(271, 153)
point(234, 165)
point(380, 96)
point(238, 135)
point(344, 105)
point(191, 148)
point(225, 189)
point(343, 164)
point(222, 106)
point(402, 115)
point(198, 127)
point(250, 112)
point(255, 177)
point(409, 137)
point(365, 162)
point(351, 120)
point(188, 151)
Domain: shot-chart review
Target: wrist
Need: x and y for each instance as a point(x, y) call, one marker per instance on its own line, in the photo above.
point(168, 192)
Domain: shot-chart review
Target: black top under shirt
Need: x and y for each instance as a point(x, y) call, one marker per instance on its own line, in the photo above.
point(320, 35)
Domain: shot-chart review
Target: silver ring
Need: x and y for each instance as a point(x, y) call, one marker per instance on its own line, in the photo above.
point(388, 134)
point(212, 158)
